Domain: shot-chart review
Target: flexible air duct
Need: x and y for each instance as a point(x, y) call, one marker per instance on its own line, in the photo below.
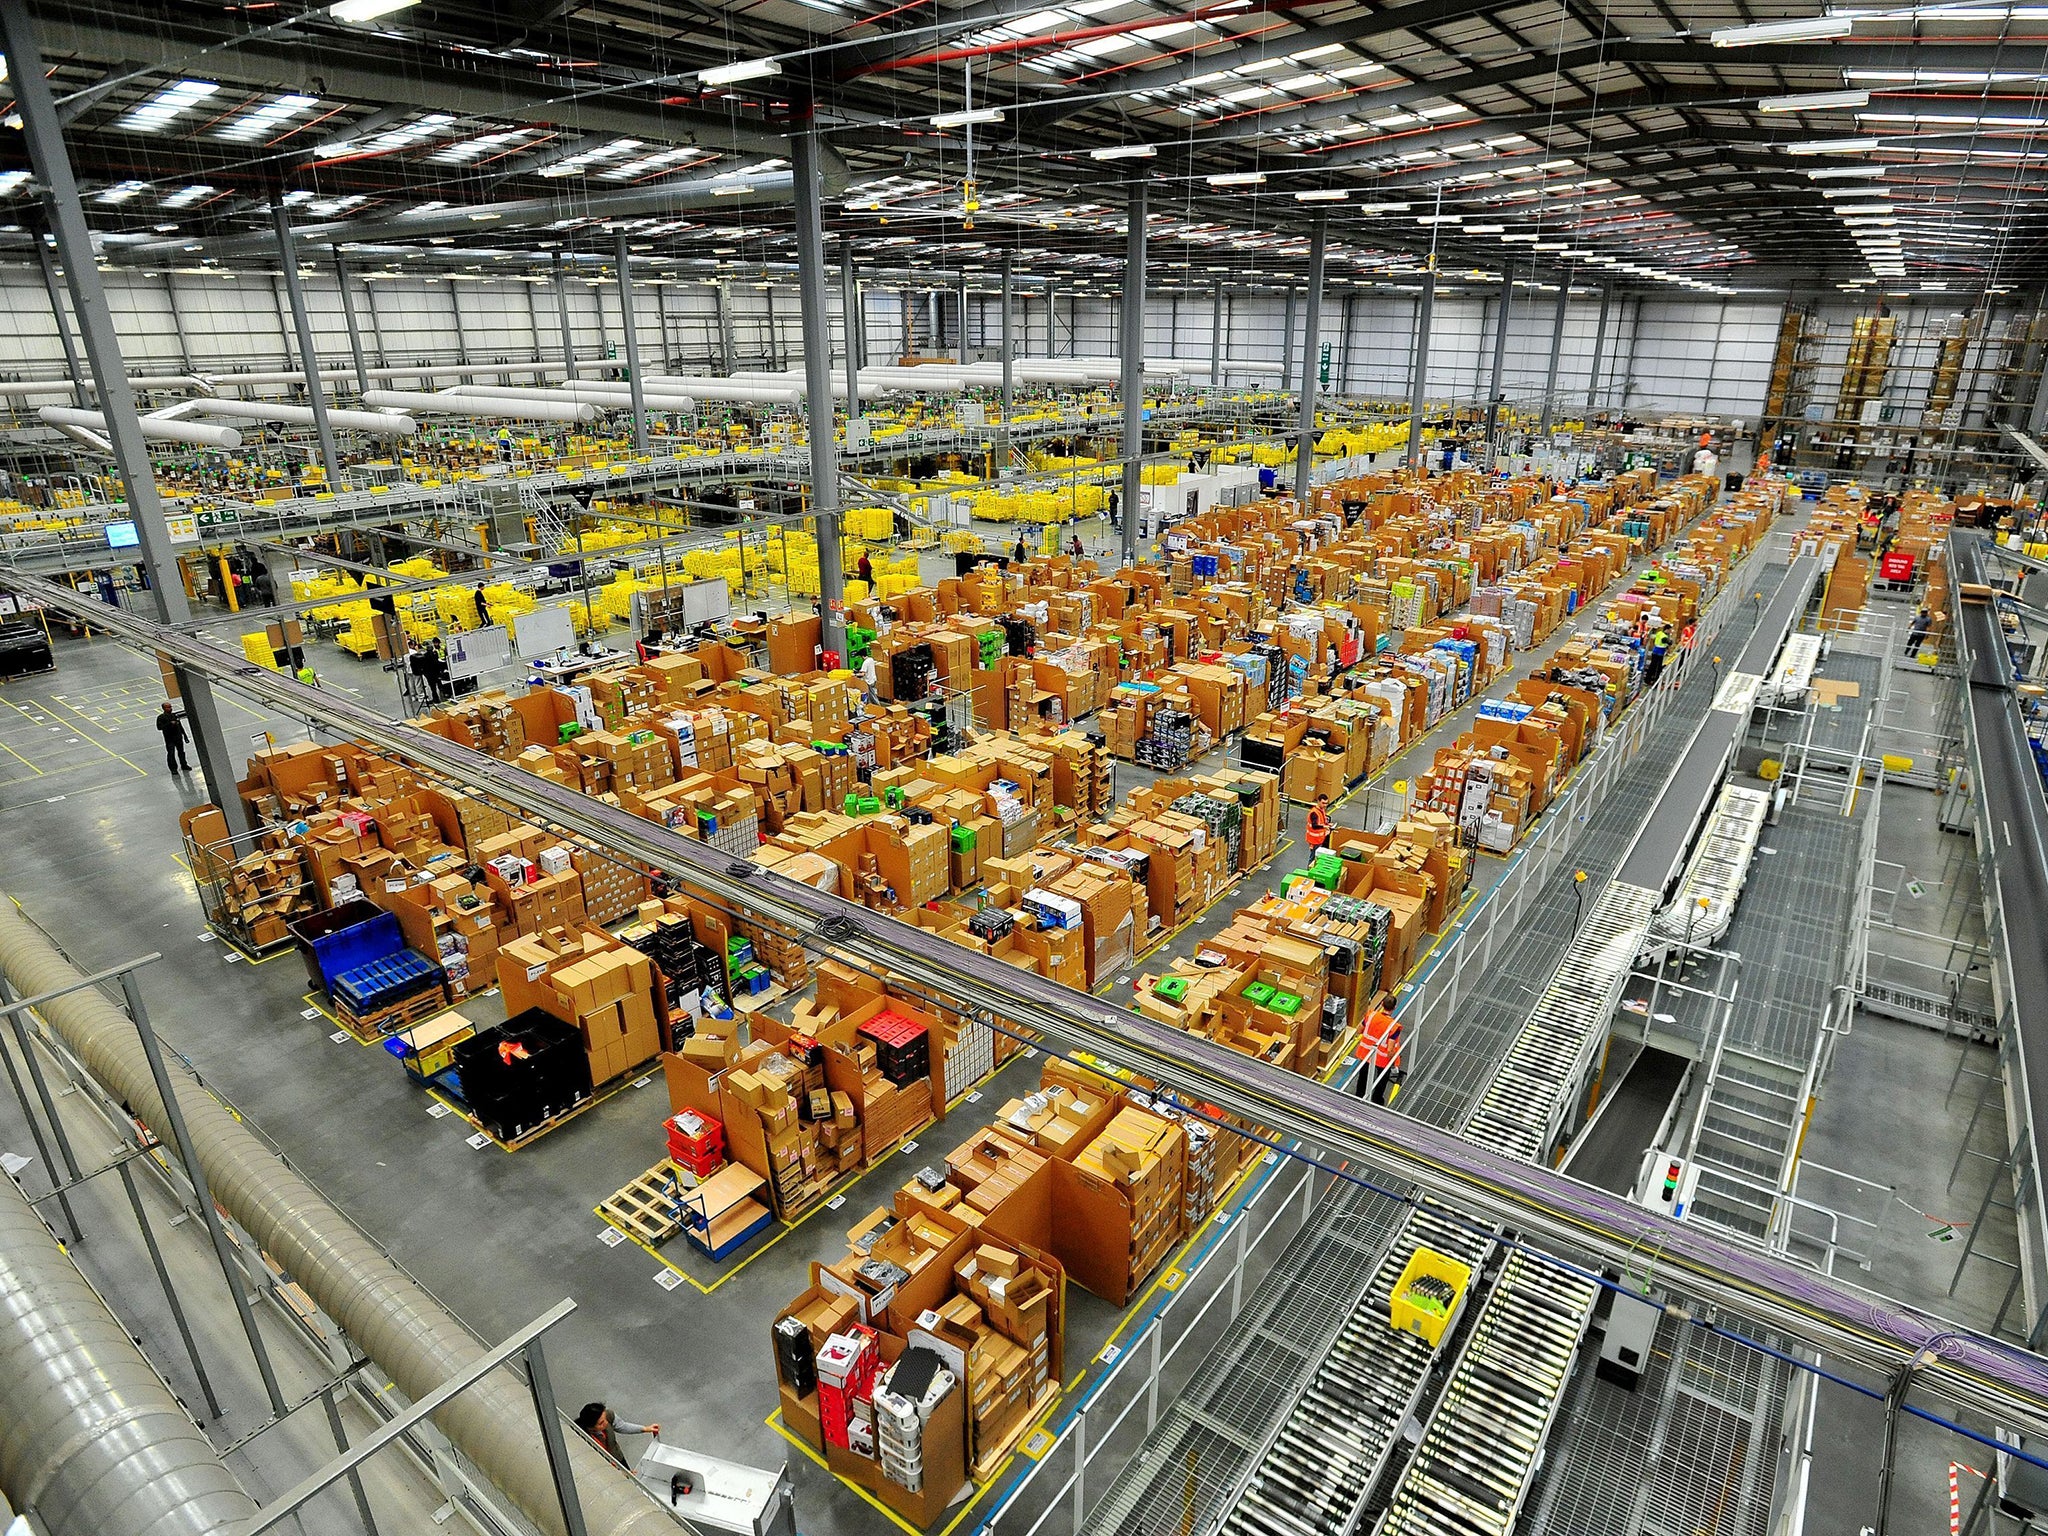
point(481, 406)
point(18, 387)
point(392, 1320)
point(91, 1440)
point(376, 423)
point(156, 429)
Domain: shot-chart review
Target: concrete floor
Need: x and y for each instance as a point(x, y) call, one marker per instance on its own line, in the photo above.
point(91, 821)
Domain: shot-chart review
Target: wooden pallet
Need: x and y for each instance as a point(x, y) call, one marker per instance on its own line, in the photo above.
point(649, 1208)
point(991, 1459)
point(370, 1029)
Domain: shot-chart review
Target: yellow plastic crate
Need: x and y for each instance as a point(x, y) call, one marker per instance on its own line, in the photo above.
point(1425, 1324)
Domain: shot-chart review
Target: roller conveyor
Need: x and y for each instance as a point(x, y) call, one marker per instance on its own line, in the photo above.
point(1472, 1471)
point(1704, 905)
point(1328, 1453)
point(1324, 1459)
point(1792, 678)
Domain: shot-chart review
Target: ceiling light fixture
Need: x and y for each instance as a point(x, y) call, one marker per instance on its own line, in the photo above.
point(356, 12)
point(1832, 147)
point(1323, 195)
point(1237, 179)
point(963, 119)
point(1124, 152)
point(1847, 172)
point(733, 74)
point(1816, 101)
point(1805, 29)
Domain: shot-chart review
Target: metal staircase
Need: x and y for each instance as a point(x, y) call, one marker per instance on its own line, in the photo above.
point(1747, 1135)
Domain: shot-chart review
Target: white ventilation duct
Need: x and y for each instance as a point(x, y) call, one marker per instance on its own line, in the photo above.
point(496, 405)
point(95, 1444)
point(18, 388)
point(390, 1318)
point(159, 429)
point(376, 423)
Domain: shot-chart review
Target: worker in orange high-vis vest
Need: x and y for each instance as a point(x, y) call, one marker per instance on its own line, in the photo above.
point(1318, 832)
point(1379, 1055)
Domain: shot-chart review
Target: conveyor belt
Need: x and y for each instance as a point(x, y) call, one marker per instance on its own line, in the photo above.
point(2012, 845)
point(1328, 1452)
point(1793, 675)
point(1485, 1441)
point(1654, 859)
point(1323, 1461)
point(1705, 902)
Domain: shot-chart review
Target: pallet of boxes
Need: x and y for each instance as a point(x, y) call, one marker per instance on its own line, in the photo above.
point(916, 1362)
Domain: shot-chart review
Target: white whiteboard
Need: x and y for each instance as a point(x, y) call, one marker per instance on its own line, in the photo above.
point(544, 631)
point(473, 652)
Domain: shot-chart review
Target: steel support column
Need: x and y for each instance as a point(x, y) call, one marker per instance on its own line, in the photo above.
point(963, 320)
point(309, 359)
point(1564, 298)
point(622, 263)
point(52, 166)
point(810, 274)
point(348, 316)
point(1425, 311)
point(72, 366)
point(1287, 346)
point(1500, 361)
point(1009, 353)
point(728, 357)
point(1599, 347)
point(1216, 340)
point(562, 314)
point(850, 322)
point(1311, 329)
point(1132, 389)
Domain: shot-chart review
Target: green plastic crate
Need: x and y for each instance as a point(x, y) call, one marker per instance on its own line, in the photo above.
point(1172, 988)
point(1259, 993)
point(1286, 1004)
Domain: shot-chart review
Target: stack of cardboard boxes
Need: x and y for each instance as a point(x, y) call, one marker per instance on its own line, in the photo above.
point(1144, 1158)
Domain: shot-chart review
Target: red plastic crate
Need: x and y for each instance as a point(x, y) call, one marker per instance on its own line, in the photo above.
point(892, 1029)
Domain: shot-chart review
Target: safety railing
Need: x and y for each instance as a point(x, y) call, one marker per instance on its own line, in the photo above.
point(1170, 1343)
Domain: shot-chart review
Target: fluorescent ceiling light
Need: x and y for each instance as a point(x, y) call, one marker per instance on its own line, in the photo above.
point(1817, 101)
point(1448, 109)
point(1853, 208)
point(185, 197)
point(1383, 207)
point(1799, 30)
point(1323, 195)
point(735, 189)
point(1484, 229)
point(1953, 121)
point(1395, 120)
point(1845, 172)
point(10, 180)
point(1832, 147)
point(963, 119)
point(156, 113)
point(410, 133)
point(120, 192)
point(357, 11)
point(254, 125)
point(1237, 179)
point(732, 74)
point(1124, 152)
point(477, 148)
point(1441, 218)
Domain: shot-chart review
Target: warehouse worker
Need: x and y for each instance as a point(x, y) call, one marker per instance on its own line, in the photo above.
point(1686, 636)
point(867, 676)
point(1706, 461)
point(597, 1421)
point(1318, 832)
point(1660, 643)
point(1018, 554)
point(483, 607)
point(171, 726)
point(1379, 1054)
point(866, 570)
point(1923, 621)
